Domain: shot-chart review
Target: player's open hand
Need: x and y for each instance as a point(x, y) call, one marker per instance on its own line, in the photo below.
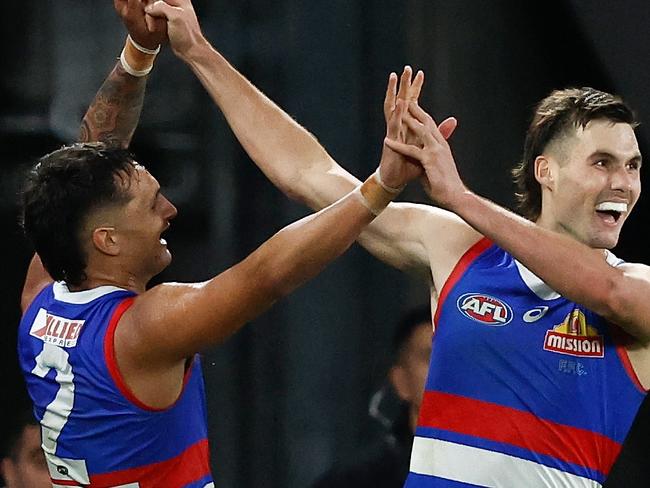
point(408, 90)
point(429, 147)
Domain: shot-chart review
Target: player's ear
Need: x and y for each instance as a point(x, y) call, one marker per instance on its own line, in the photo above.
point(105, 240)
point(544, 171)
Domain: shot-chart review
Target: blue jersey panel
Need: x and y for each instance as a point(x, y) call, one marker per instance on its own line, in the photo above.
point(94, 431)
point(521, 381)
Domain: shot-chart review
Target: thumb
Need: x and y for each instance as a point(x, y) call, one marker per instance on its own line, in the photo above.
point(160, 9)
point(447, 127)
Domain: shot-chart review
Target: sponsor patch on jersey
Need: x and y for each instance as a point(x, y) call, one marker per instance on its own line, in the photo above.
point(575, 337)
point(56, 330)
point(484, 309)
point(534, 314)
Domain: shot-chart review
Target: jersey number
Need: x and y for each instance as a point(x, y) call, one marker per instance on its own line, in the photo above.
point(57, 413)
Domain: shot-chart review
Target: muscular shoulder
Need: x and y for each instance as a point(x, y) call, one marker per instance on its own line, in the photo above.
point(419, 237)
point(447, 237)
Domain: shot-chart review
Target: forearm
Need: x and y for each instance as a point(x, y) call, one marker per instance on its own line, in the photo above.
point(115, 111)
point(287, 153)
point(301, 250)
point(195, 316)
point(571, 268)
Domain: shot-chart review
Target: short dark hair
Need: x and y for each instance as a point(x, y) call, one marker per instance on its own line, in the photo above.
point(60, 192)
point(407, 324)
point(554, 116)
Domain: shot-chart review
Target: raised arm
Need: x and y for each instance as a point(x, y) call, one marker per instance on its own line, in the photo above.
point(288, 154)
point(170, 322)
point(578, 272)
point(114, 112)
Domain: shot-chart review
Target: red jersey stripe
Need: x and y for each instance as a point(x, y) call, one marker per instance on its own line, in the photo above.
point(461, 266)
point(622, 339)
point(114, 370)
point(498, 423)
point(191, 465)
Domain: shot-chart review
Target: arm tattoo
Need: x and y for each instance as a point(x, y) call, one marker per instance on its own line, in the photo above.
point(114, 113)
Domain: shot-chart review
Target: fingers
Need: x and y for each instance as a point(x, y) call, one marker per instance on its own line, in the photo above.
point(416, 87)
point(394, 125)
point(422, 133)
point(420, 115)
point(404, 149)
point(427, 121)
point(391, 95)
point(134, 8)
point(405, 83)
point(155, 24)
point(120, 6)
point(447, 127)
point(160, 9)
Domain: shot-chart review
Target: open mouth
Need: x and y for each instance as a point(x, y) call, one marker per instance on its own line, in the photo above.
point(611, 212)
point(163, 241)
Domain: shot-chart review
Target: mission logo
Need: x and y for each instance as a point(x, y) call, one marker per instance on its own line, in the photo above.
point(484, 309)
point(575, 337)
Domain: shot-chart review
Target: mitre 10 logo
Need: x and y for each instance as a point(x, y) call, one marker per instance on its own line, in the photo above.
point(484, 309)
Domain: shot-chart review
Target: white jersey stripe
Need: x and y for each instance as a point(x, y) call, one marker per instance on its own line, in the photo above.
point(63, 294)
point(466, 464)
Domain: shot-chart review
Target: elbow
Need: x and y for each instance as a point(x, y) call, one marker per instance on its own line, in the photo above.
point(612, 303)
point(271, 279)
point(618, 308)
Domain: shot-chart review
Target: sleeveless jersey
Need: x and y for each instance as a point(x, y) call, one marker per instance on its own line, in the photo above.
point(94, 431)
point(525, 389)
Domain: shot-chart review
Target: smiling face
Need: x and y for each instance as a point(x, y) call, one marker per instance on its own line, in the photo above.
point(590, 182)
point(141, 223)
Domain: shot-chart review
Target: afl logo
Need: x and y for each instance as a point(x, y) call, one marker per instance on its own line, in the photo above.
point(484, 309)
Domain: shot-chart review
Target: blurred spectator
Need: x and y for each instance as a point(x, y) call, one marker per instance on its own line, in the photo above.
point(23, 463)
point(395, 407)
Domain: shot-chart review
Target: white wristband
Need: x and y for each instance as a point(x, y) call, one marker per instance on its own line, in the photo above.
point(389, 189)
point(132, 71)
point(365, 202)
point(143, 49)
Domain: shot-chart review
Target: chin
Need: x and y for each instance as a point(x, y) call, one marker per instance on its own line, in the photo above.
point(604, 242)
point(163, 261)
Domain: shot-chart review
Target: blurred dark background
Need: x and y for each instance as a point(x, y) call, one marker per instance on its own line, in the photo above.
point(288, 395)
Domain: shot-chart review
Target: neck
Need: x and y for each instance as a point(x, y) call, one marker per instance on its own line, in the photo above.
point(96, 279)
point(550, 224)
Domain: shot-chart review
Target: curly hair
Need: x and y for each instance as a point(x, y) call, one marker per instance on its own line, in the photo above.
point(554, 117)
point(60, 191)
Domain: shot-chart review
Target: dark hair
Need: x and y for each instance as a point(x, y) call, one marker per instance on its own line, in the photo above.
point(554, 117)
point(60, 192)
point(407, 324)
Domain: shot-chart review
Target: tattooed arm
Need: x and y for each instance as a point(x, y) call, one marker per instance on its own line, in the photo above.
point(113, 115)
